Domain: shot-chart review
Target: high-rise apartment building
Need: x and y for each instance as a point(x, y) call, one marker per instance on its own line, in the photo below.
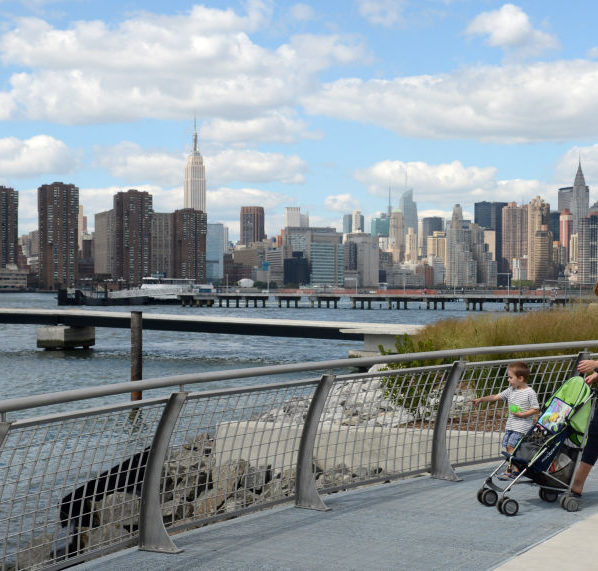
point(132, 236)
point(252, 224)
point(514, 235)
point(162, 244)
point(587, 248)
point(103, 238)
point(58, 211)
point(9, 226)
point(538, 265)
point(189, 229)
point(195, 179)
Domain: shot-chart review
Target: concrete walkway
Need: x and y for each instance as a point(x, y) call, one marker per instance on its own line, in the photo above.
point(418, 523)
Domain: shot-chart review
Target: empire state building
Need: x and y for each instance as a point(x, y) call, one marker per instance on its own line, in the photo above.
point(195, 179)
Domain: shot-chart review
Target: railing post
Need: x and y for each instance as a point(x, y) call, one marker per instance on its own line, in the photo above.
point(152, 533)
point(306, 494)
point(442, 468)
point(136, 351)
point(4, 428)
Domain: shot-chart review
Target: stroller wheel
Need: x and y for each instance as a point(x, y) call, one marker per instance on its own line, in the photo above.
point(509, 507)
point(570, 504)
point(488, 497)
point(548, 495)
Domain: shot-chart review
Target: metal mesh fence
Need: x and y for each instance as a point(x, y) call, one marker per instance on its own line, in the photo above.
point(233, 452)
point(377, 426)
point(70, 485)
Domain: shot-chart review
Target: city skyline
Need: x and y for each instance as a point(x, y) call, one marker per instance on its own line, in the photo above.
point(320, 106)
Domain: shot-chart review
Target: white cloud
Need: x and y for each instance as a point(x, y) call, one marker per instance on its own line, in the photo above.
point(135, 165)
point(341, 203)
point(302, 12)
point(226, 202)
point(509, 28)
point(567, 166)
point(38, 155)
point(387, 13)
point(276, 126)
point(201, 62)
point(254, 166)
point(507, 104)
point(428, 180)
point(593, 53)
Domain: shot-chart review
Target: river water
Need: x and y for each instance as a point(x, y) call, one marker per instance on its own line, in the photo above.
point(26, 370)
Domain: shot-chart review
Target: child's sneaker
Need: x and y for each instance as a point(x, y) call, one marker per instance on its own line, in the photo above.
point(507, 476)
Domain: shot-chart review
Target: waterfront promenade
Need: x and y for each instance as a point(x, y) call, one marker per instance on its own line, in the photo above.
point(418, 523)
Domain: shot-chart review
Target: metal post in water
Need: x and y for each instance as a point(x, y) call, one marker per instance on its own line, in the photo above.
point(136, 351)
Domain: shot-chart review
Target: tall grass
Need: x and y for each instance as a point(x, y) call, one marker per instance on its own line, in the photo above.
point(577, 323)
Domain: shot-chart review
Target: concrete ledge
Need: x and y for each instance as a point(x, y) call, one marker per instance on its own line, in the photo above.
point(394, 449)
point(65, 337)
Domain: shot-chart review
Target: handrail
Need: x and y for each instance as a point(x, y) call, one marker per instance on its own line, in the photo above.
point(35, 401)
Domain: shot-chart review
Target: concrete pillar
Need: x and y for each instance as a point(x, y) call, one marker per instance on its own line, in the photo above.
point(65, 337)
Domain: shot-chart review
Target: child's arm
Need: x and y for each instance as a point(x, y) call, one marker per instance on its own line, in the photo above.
point(487, 398)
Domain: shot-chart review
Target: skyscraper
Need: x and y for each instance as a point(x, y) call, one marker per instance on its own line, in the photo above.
point(252, 224)
point(195, 179)
point(9, 229)
point(162, 244)
point(537, 229)
point(58, 211)
point(396, 236)
point(409, 209)
point(489, 215)
point(580, 198)
point(565, 229)
point(514, 234)
point(430, 225)
point(132, 232)
point(294, 218)
point(357, 221)
point(103, 237)
point(215, 248)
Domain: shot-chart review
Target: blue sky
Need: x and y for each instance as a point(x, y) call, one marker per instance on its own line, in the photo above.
point(322, 105)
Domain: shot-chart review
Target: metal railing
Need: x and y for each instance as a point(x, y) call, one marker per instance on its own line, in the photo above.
point(77, 484)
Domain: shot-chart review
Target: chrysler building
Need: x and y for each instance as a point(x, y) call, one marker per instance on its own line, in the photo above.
point(195, 179)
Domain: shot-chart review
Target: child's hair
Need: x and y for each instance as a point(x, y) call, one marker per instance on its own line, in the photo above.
point(519, 369)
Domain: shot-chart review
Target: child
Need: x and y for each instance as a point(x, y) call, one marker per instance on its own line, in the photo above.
point(523, 405)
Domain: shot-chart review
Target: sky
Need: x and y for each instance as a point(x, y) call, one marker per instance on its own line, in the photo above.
point(324, 105)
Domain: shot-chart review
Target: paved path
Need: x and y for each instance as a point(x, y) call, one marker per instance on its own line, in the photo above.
point(418, 523)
